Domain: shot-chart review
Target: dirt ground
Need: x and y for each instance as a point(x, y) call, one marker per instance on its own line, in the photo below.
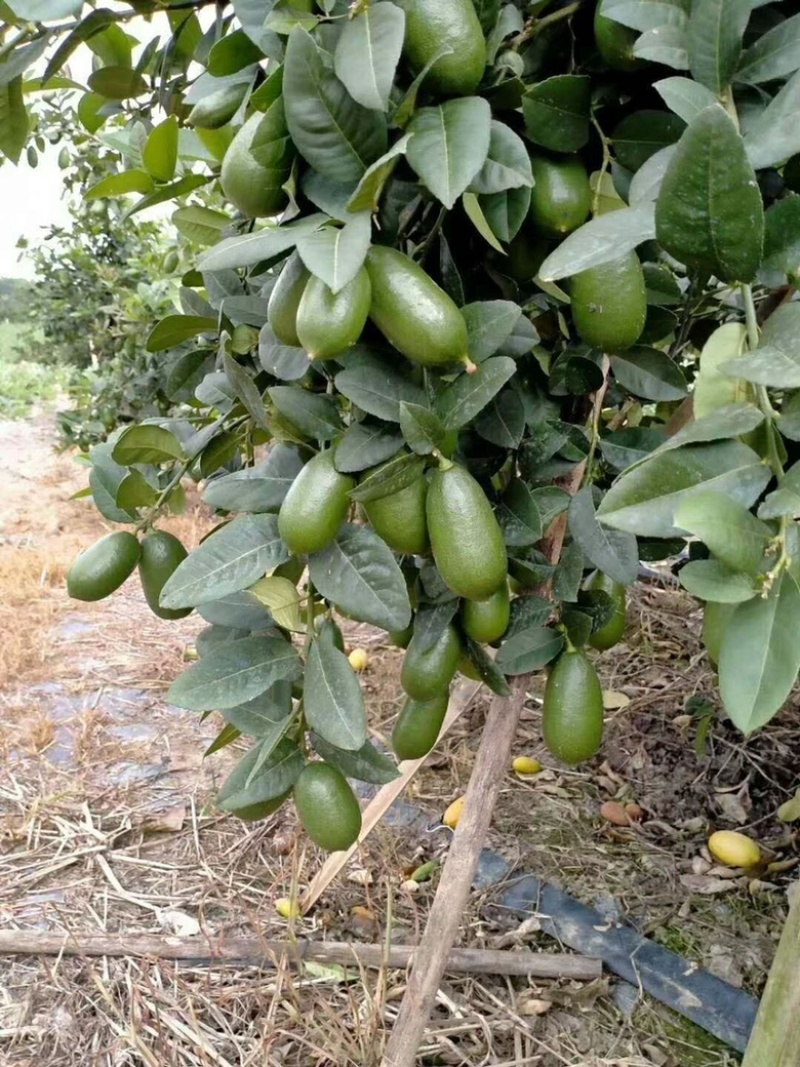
point(107, 823)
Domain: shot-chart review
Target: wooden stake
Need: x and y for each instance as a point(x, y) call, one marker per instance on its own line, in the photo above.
point(775, 1040)
point(232, 951)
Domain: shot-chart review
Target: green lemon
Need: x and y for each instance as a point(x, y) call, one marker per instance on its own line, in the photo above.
point(609, 304)
point(400, 638)
point(413, 313)
point(487, 620)
point(100, 570)
point(329, 323)
point(284, 300)
point(400, 520)
point(468, 668)
point(327, 807)
point(435, 25)
point(561, 199)
point(162, 553)
point(615, 42)
point(572, 713)
point(315, 506)
point(526, 253)
point(613, 631)
point(418, 726)
point(428, 669)
point(466, 539)
point(253, 186)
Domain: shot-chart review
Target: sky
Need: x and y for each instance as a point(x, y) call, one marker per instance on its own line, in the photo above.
point(31, 200)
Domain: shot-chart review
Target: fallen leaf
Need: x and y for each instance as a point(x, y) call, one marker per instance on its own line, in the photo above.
point(614, 813)
point(178, 922)
point(612, 700)
point(790, 811)
point(528, 928)
point(736, 806)
point(533, 1006)
point(168, 821)
point(360, 876)
point(702, 883)
point(700, 865)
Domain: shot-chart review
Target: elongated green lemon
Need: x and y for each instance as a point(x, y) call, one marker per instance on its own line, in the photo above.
point(400, 520)
point(100, 570)
point(327, 807)
point(315, 506)
point(433, 26)
point(561, 198)
point(572, 713)
point(418, 726)
point(255, 185)
point(487, 620)
point(162, 554)
point(284, 300)
point(329, 323)
point(466, 539)
point(428, 669)
point(609, 304)
point(613, 631)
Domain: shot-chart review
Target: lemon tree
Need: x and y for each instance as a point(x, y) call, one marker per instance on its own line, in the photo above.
point(464, 273)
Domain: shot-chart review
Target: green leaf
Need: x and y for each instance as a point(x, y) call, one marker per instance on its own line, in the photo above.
point(422, 428)
point(736, 537)
point(614, 552)
point(776, 361)
point(664, 44)
point(135, 492)
point(365, 445)
point(470, 393)
point(377, 386)
point(234, 673)
point(332, 699)
point(502, 421)
point(277, 774)
point(490, 674)
point(623, 448)
point(647, 14)
point(568, 573)
point(529, 650)
point(716, 28)
point(685, 97)
point(231, 559)
point(774, 55)
point(507, 165)
point(260, 716)
point(181, 187)
point(256, 489)
point(266, 243)
point(650, 374)
point(117, 83)
point(489, 324)
point(731, 420)
point(449, 145)
point(314, 414)
point(129, 181)
point(776, 135)
point(175, 329)
point(227, 735)
point(474, 213)
point(281, 597)
point(782, 240)
point(359, 574)
point(711, 580)
point(600, 241)
point(246, 390)
point(337, 136)
point(236, 611)
point(506, 212)
point(405, 109)
point(789, 419)
point(556, 112)
point(13, 120)
point(200, 224)
point(285, 362)
point(519, 516)
point(231, 54)
point(368, 51)
point(785, 500)
point(367, 764)
point(712, 390)
point(160, 152)
point(44, 10)
point(646, 182)
point(146, 444)
point(644, 499)
point(643, 133)
point(369, 189)
point(709, 213)
point(760, 656)
point(105, 478)
point(21, 58)
point(389, 479)
point(337, 254)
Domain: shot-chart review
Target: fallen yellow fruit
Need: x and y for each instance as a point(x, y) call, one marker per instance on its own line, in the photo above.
point(287, 908)
point(358, 659)
point(526, 765)
point(733, 849)
point(454, 813)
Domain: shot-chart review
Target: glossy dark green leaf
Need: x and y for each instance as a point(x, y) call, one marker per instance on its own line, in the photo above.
point(649, 373)
point(709, 213)
point(602, 240)
point(716, 28)
point(556, 112)
point(506, 212)
point(774, 55)
point(785, 500)
point(231, 54)
point(449, 145)
point(287, 363)
point(422, 428)
point(377, 386)
point(13, 120)
point(390, 478)
point(528, 612)
point(366, 765)
point(731, 420)
point(647, 14)
point(760, 656)
point(623, 448)
point(175, 329)
point(237, 611)
point(333, 703)
point(213, 636)
point(776, 361)
point(366, 444)
point(502, 421)
point(117, 83)
point(367, 194)
point(568, 573)
point(685, 97)
point(336, 254)
point(711, 580)
point(518, 515)
point(614, 552)
point(256, 489)
point(489, 324)
point(360, 575)
point(507, 165)
point(242, 788)
point(105, 478)
point(642, 134)
point(336, 135)
point(231, 559)
point(735, 536)
point(146, 444)
point(245, 389)
point(529, 650)
point(644, 499)
point(782, 240)
point(368, 51)
point(129, 181)
point(265, 243)
point(469, 394)
point(235, 673)
point(490, 674)
point(316, 415)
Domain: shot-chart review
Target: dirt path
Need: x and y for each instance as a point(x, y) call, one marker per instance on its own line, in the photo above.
point(107, 823)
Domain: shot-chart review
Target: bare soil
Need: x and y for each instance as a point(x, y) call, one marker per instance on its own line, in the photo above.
point(107, 823)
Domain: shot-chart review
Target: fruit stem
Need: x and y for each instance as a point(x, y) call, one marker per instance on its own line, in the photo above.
point(536, 26)
point(425, 247)
point(445, 464)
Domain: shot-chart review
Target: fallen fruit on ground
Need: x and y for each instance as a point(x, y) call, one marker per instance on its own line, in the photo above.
point(734, 849)
point(526, 765)
point(454, 812)
point(359, 660)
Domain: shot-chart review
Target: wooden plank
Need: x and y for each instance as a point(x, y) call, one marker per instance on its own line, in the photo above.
point(775, 1040)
